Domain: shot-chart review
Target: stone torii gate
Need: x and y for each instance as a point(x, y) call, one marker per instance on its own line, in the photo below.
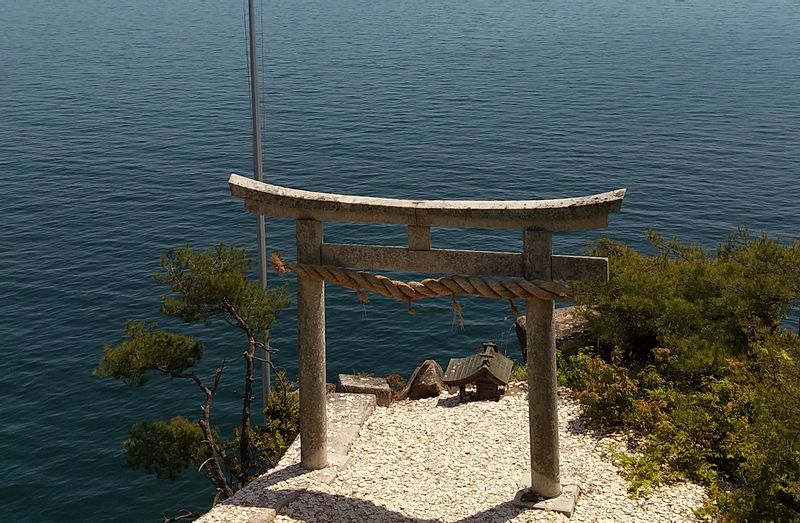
point(537, 219)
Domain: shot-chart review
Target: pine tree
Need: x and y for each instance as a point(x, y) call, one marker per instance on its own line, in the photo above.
point(204, 286)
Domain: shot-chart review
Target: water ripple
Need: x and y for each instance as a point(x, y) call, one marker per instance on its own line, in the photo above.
point(121, 121)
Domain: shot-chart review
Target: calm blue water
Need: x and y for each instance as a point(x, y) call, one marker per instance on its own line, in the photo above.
point(120, 121)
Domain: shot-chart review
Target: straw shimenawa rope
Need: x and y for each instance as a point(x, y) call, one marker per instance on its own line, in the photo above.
point(450, 286)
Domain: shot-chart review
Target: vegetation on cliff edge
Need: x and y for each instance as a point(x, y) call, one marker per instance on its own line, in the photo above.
point(693, 358)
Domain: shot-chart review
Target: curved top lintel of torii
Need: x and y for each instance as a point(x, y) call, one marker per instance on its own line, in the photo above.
point(567, 214)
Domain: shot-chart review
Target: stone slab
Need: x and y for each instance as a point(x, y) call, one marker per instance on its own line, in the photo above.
point(565, 214)
point(366, 385)
point(564, 504)
point(263, 498)
point(449, 261)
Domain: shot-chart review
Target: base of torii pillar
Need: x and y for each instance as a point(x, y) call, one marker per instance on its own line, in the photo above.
point(563, 503)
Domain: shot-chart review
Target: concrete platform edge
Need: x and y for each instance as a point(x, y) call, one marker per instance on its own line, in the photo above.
point(347, 413)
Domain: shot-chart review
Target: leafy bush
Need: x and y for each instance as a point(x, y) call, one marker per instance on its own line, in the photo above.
point(693, 357)
point(605, 389)
point(702, 308)
point(767, 481)
point(283, 423)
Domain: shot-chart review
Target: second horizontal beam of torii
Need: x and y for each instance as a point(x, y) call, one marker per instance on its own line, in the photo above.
point(466, 262)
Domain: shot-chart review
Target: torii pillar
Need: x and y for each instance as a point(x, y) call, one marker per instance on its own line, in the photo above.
point(544, 490)
point(537, 250)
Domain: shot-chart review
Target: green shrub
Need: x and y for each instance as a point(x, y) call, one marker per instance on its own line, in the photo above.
point(520, 373)
point(702, 308)
point(767, 480)
point(283, 423)
point(270, 441)
point(693, 357)
point(606, 390)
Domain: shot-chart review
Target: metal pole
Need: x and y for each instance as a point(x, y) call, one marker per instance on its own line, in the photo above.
point(259, 175)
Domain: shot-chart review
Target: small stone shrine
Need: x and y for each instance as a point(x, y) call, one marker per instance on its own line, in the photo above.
point(488, 370)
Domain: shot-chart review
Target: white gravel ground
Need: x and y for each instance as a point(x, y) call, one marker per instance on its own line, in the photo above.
point(436, 460)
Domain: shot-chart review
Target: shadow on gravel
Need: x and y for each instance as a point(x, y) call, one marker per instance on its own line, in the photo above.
point(321, 507)
point(449, 402)
point(278, 476)
point(497, 514)
point(455, 401)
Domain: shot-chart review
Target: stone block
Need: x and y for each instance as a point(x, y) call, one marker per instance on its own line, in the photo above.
point(427, 381)
point(366, 385)
point(564, 504)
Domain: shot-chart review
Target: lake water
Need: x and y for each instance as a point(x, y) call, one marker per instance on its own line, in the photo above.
point(121, 120)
